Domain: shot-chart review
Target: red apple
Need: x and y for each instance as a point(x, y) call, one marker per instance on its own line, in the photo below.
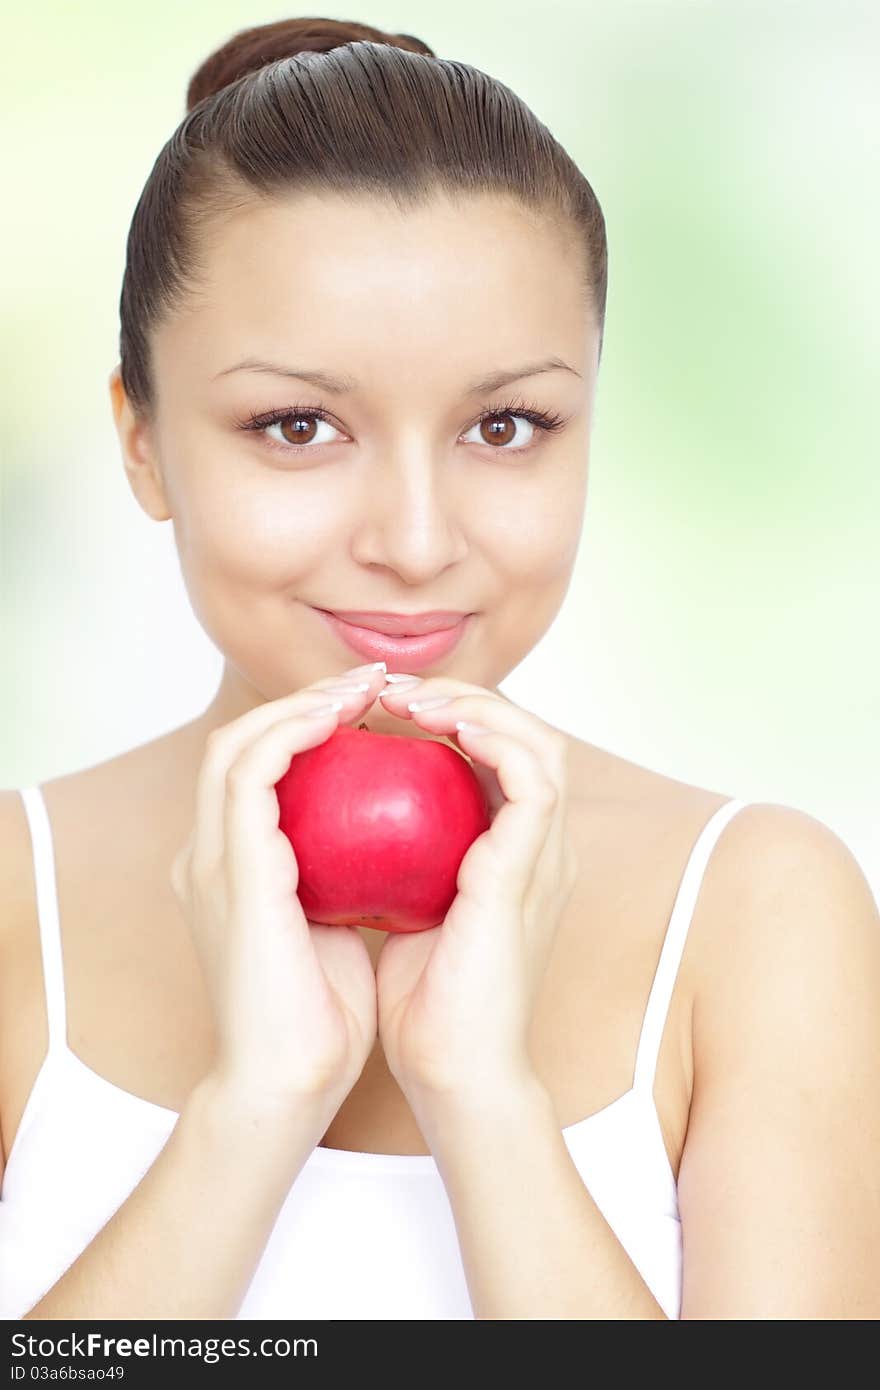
point(379, 824)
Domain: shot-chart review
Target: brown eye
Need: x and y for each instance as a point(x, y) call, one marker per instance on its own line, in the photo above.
point(298, 429)
point(501, 431)
point(497, 429)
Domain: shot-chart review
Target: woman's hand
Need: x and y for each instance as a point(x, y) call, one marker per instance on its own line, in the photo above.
point(455, 1002)
point(294, 1001)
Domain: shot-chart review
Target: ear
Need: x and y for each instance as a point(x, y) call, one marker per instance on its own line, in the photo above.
point(138, 452)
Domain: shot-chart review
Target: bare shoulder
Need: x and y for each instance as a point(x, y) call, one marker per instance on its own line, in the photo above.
point(786, 1095)
point(775, 838)
point(97, 814)
point(770, 863)
point(793, 921)
point(781, 880)
point(785, 916)
point(122, 797)
point(635, 812)
point(16, 870)
point(779, 884)
point(778, 1126)
point(635, 830)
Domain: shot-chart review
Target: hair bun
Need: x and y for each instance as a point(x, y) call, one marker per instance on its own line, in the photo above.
point(251, 49)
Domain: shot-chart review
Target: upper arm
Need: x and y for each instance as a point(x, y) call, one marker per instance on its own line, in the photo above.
point(779, 1183)
point(16, 902)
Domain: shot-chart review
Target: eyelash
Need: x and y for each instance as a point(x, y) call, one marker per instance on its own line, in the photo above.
point(546, 421)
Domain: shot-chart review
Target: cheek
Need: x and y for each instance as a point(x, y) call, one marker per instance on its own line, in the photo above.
point(559, 519)
point(534, 534)
point(254, 534)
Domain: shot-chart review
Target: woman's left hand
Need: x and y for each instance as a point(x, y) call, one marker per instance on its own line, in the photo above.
point(455, 1002)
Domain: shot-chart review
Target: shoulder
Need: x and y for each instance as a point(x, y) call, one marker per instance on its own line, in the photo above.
point(16, 862)
point(780, 880)
point(94, 813)
point(791, 932)
point(778, 1188)
point(772, 835)
point(18, 888)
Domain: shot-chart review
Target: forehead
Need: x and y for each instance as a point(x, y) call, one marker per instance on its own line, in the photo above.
point(361, 284)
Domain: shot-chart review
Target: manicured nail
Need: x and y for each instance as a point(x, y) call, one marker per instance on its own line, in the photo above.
point(321, 710)
point(399, 688)
point(464, 727)
point(439, 700)
point(400, 678)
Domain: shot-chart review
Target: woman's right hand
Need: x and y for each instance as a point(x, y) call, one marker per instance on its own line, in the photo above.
point(294, 1001)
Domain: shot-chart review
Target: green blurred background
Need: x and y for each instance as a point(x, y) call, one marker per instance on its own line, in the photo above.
point(721, 625)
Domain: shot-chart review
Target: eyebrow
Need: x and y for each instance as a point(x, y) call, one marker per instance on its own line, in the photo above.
point(337, 385)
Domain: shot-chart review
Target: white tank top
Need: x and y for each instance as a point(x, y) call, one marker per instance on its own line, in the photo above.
point(360, 1235)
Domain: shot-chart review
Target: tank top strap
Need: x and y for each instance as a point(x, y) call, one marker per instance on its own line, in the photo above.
point(47, 913)
point(665, 975)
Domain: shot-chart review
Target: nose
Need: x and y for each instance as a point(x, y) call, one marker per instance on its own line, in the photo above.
point(410, 519)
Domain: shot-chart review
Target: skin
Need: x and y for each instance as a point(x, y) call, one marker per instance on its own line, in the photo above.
point(404, 502)
point(777, 1183)
point(393, 511)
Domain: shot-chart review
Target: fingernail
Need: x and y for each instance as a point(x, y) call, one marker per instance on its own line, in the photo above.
point(429, 704)
point(321, 710)
point(400, 678)
point(464, 727)
point(400, 686)
point(370, 666)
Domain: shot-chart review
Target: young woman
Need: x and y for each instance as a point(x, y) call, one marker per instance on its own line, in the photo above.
point(634, 1073)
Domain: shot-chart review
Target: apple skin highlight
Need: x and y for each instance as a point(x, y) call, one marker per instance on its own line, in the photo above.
point(379, 824)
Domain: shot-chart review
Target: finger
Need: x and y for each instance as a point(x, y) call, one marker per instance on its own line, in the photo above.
point(479, 706)
point(225, 744)
point(397, 699)
point(526, 818)
point(259, 859)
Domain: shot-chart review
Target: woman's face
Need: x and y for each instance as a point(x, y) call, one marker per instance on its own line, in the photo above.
point(399, 499)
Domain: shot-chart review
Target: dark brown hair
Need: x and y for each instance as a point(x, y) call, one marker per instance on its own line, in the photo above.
point(337, 107)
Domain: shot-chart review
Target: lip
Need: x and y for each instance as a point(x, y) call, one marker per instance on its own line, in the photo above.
point(399, 624)
point(401, 653)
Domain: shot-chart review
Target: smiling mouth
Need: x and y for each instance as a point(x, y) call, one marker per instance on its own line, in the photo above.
point(402, 653)
point(399, 624)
